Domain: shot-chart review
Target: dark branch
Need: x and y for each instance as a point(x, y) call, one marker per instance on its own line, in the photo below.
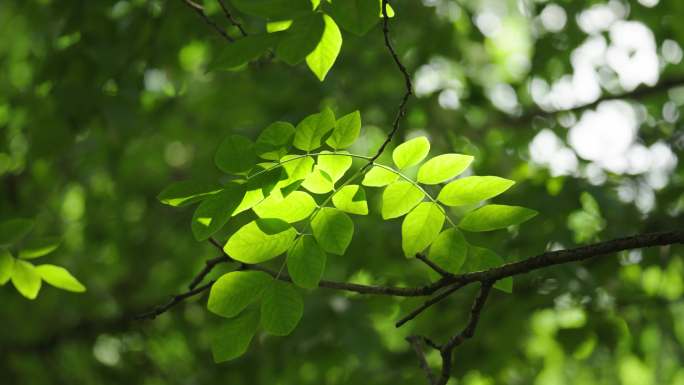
point(208, 266)
point(428, 303)
point(175, 300)
point(231, 19)
point(200, 11)
point(415, 342)
point(432, 265)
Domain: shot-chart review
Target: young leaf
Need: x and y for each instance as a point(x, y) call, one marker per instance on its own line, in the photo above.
point(25, 279)
point(492, 217)
point(252, 197)
point(212, 214)
point(243, 51)
point(379, 177)
point(266, 177)
point(185, 192)
point(39, 247)
point(334, 165)
point(411, 152)
point(232, 338)
point(356, 16)
point(295, 207)
point(346, 131)
point(235, 154)
point(275, 140)
point(318, 182)
point(480, 258)
point(333, 230)
point(399, 198)
point(297, 167)
point(311, 130)
point(443, 167)
point(236, 290)
point(420, 228)
point(449, 250)
point(13, 230)
point(281, 308)
point(274, 9)
point(322, 58)
point(260, 240)
point(473, 189)
point(6, 266)
point(60, 278)
point(351, 199)
point(301, 38)
point(306, 262)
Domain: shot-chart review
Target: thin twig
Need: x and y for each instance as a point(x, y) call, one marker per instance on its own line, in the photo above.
point(413, 314)
point(208, 266)
point(175, 300)
point(432, 265)
point(231, 19)
point(200, 11)
point(415, 342)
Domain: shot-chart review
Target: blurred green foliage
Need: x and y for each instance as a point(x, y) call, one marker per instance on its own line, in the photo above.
point(102, 104)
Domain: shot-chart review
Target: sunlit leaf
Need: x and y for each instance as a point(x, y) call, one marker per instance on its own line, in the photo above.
point(346, 131)
point(39, 247)
point(60, 277)
point(185, 192)
point(334, 165)
point(492, 217)
point(312, 129)
point(443, 167)
point(281, 308)
point(26, 279)
point(411, 152)
point(333, 229)
point(473, 189)
point(212, 214)
point(322, 58)
point(295, 207)
point(275, 140)
point(449, 250)
point(236, 154)
point(379, 177)
point(6, 266)
point(351, 199)
point(232, 338)
point(399, 198)
point(301, 38)
point(318, 182)
point(260, 240)
point(420, 228)
point(236, 290)
point(306, 262)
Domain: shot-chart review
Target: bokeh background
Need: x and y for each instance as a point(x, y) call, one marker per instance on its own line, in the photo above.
point(104, 103)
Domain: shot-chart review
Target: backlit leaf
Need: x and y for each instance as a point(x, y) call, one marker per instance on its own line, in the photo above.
point(318, 182)
point(301, 38)
point(351, 199)
point(35, 248)
point(449, 250)
point(275, 140)
point(185, 192)
point(473, 189)
point(260, 240)
point(312, 129)
point(25, 279)
point(322, 58)
point(281, 308)
point(306, 262)
point(212, 214)
point(236, 290)
point(443, 167)
point(420, 228)
point(334, 165)
point(60, 278)
point(399, 198)
point(346, 131)
point(411, 152)
point(295, 207)
point(379, 177)
point(333, 229)
point(492, 217)
point(232, 338)
point(6, 266)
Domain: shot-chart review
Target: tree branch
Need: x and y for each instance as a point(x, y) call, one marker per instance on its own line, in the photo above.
point(415, 342)
point(231, 19)
point(432, 265)
point(175, 300)
point(427, 304)
point(200, 11)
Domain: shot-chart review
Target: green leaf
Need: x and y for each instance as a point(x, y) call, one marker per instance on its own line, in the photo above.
point(13, 230)
point(346, 131)
point(356, 16)
point(39, 247)
point(311, 130)
point(295, 207)
point(399, 198)
point(233, 337)
point(411, 152)
point(333, 230)
point(212, 214)
point(480, 258)
point(301, 38)
point(449, 250)
point(297, 167)
point(334, 165)
point(306, 262)
point(351, 199)
point(260, 240)
point(473, 189)
point(266, 178)
point(420, 228)
point(492, 217)
point(60, 278)
point(318, 182)
point(6, 266)
point(277, 26)
point(379, 177)
point(234, 291)
point(273, 9)
point(185, 192)
point(252, 197)
point(443, 167)
point(26, 279)
point(275, 140)
point(322, 58)
point(243, 51)
point(281, 308)
point(236, 154)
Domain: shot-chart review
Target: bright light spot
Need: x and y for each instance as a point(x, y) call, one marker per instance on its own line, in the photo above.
point(489, 23)
point(553, 18)
point(632, 54)
point(440, 75)
point(503, 97)
point(177, 155)
point(448, 99)
point(600, 17)
point(107, 350)
point(670, 112)
point(649, 3)
point(548, 150)
point(671, 51)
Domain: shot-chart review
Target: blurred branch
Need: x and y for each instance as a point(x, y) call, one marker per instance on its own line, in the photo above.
point(200, 11)
point(415, 342)
point(231, 19)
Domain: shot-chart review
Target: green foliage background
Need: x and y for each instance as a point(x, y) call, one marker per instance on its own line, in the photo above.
point(102, 104)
